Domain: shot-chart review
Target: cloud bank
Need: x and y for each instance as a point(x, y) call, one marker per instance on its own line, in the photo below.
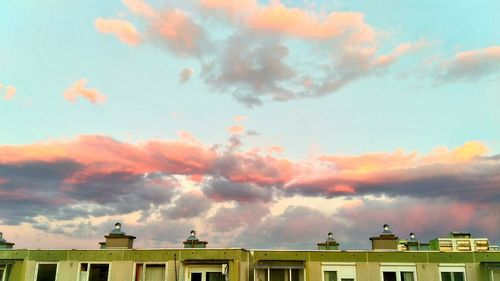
point(237, 194)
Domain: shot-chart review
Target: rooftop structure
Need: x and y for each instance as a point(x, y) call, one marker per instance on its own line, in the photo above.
point(118, 239)
point(4, 244)
point(460, 242)
point(117, 260)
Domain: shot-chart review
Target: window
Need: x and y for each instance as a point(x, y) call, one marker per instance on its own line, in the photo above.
point(206, 273)
point(339, 272)
point(398, 272)
point(452, 276)
point(150, 272)
point(46, 272)
point(282, 274)
point(452, 272)
point(94, 272)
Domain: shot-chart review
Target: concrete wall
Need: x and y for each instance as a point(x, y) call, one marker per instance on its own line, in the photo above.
point(241, 262)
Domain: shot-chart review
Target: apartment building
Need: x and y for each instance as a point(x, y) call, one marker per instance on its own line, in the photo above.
point(118, 260)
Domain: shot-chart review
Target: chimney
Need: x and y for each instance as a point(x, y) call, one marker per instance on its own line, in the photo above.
point(385, 241)
point(193, 242)
point(4, 244)
point(329, 244)
point(117, 239)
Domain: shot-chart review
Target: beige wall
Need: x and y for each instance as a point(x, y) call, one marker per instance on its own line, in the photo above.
point(67, 270)
point(313, 271)
point(427, 272)
point(121, 271)
point(472, 272)
point(363, 272)
point(30, 271)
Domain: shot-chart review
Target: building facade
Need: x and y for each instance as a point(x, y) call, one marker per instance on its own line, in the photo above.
point(117, 260)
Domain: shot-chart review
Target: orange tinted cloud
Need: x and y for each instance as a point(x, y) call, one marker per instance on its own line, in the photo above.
point(185, 74)
point(240, 118)
point(8, 92)
point(465, 153)
point(122, 29)
point(182, 34)
point(232, 8)
point(236, 130)
point(295, 22)
point(299, 23)
point(402, 49)
point(371, 162)
point(140, 7)
point(473, 65)
point(374, 162)
point(78, 89)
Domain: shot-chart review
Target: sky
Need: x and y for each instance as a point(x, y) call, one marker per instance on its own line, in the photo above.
point(260, 124)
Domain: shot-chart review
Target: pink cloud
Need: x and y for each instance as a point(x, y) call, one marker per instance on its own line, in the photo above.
point(457, 172)
point(122, 29)
point(172, 27)
point(78, 89)
point(100, 154)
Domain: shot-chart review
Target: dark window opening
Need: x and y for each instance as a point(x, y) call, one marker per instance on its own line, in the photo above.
point(452, 276)
point(389, 276)
point(196, 276)
point(278, 275)
point(407, 276)
point(46, 272)
point(215, 276)
point(98, 272)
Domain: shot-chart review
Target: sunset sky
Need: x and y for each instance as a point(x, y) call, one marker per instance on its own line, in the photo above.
point(261, 124)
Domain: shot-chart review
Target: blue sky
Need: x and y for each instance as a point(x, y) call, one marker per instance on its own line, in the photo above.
point(420, 79)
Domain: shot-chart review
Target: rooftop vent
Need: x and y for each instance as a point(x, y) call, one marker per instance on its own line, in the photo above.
point(413, 238)
point(329, 244)
point(117, 229)
point(4, 244)
point(387, 230)
point(193, 242)
point(118, 239)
